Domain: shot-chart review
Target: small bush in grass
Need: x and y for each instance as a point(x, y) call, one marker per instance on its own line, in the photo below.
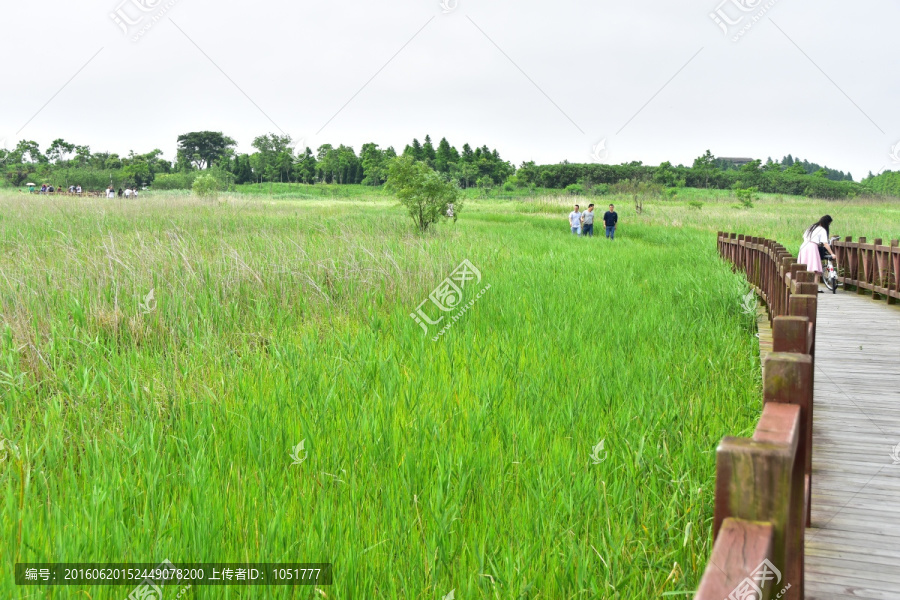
point(423, 192)
point(575, 189)
point(206, 186)
point(746, 196)
point(695, 204)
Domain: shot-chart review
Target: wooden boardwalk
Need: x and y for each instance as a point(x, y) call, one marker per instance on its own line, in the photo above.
point(853, 546)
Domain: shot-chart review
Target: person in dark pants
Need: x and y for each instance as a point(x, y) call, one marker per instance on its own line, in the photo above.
point(587, 221)
point(610, 218)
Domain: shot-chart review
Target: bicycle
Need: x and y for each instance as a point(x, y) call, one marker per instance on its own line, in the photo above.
point(829, 275)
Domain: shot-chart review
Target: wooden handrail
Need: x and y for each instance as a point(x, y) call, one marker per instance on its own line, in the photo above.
point(874, 267)
point(764, 483)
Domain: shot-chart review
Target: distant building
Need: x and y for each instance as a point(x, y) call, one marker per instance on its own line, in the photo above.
point(737, 162)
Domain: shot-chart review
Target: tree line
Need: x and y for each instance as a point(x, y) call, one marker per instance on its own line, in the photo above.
point(277, 158)
point(789, 177)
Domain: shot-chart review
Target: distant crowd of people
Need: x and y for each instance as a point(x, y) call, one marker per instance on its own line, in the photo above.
point(582, 223)
point(126, 193)
point(50, 189)
point(110, 192)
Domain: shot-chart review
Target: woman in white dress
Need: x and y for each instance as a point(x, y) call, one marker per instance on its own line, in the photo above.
point(815, 245)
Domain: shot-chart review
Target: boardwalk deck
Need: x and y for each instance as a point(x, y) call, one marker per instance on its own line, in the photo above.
point(853, 546)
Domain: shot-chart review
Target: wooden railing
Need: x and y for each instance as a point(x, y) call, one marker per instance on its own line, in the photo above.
point(874, 267)
point(763, 483)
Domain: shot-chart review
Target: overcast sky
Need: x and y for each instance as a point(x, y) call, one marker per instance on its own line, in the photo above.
point(543, 81)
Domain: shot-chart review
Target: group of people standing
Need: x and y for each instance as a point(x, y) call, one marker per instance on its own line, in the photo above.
point(51, 189)
point(582, 223)
point(127, 192)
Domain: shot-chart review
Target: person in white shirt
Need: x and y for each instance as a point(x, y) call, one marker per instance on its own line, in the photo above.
point(134, 193)
point(575, 220)
point(815, 246)
point(110, 192)
point(127, 192)
point(77, 189)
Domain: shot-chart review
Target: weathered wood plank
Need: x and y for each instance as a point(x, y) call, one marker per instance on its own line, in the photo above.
point(853, 548)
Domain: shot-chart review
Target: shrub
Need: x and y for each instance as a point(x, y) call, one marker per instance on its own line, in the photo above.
point(575, 189)
point(426, 196)
point(695, 204)
point(175, 181)
point(746, 196)
point(206, 186)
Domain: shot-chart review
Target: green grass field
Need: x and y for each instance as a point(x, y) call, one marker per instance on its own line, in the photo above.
point(140, 429)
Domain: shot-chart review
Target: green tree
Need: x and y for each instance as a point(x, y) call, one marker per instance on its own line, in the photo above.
point(373, 164)
point(28, 148)
point(428, 153)
point(59, 151)
point(274, 157)
point(415, 150)
point(704, 167)
point(422, 191)
point(202, 149)
point(443, 158)
point(82, 155)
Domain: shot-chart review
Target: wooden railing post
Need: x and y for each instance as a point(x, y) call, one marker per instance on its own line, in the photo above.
point(740, 548)
point(789, 379)
point(882, 271)
point(861, 272)
point(786, 262)
point(804, 284)
point(894, 288)
point(756, 481)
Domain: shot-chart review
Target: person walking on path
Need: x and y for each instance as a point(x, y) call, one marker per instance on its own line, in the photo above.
point(575, 220)
point(611, 218)
point(815, 246)
point(587, 221)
